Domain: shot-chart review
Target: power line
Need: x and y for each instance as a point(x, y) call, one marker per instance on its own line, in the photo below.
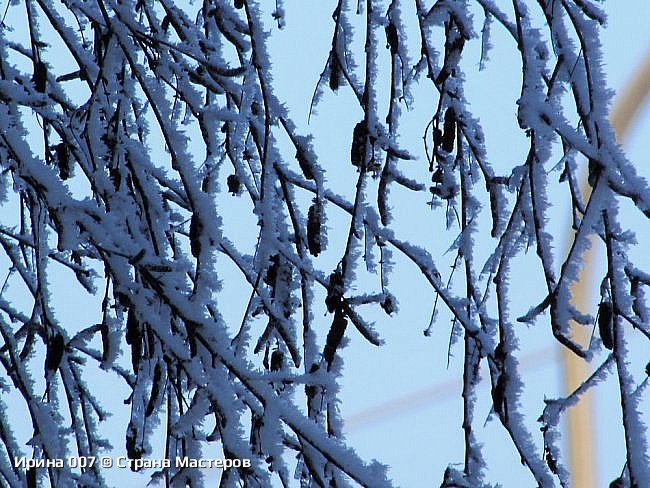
point(427, 396)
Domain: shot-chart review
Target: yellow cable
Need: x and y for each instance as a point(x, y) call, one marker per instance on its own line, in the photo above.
point(581, 443)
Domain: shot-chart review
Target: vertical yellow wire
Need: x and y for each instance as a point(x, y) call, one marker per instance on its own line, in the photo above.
point(580, 422)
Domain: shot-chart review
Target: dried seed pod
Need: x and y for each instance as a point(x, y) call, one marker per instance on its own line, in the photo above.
point(156, 384)
point(234, 185)
point(257, 110)
point(382, 196)
point(305, 164)
point(218, 424)
point(335, 74)
point(551, 462)
point(499, 394)
point(593, 172)
point(191, 328)
point(196, 229)
point(164, 25)
point(436, 134)
point(496, 198)
point(334, 291)
point(617, 483)
point(310, 389)
point(255, 440)
point(449, 133)
point(265, 361)
point(116, 177)
point(54, 354)
point(28, 346)
point(106, 343)
point(499, 388)
point(134, 338)
point(334, 336)
point(391, 38)
point(358, 149)
point(40, 76)
point(314, 223)
point(61, 231)
point(437, 176)
point(134, 449)
point(277, 360)
point(122, 299)
point(494, 209)
point(449, 187)
point(149, 345)
point(606, 324)
point(272, 271)
point(388, 303)
point(239, 4)
point(63, 160)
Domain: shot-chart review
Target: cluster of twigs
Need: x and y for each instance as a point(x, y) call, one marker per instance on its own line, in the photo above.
point(94, 193)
